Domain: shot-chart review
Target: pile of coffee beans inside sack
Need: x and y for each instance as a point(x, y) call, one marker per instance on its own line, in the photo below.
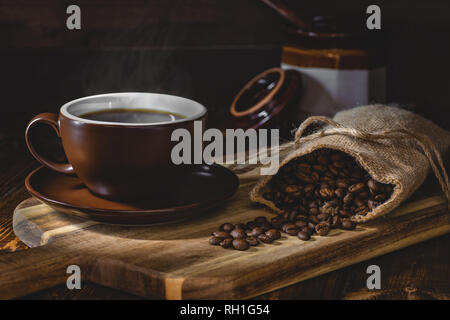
point(317, 192)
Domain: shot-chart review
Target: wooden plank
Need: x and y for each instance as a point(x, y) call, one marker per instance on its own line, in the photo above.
point(175, 261)
point(139, 24)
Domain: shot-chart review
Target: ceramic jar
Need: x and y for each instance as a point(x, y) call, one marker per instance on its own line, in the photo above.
point(342, 65)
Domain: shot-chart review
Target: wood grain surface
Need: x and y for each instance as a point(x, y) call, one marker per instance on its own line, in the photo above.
point(176, 262)
point(418, 271)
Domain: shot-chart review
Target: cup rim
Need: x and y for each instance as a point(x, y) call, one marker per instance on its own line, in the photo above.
point(63, 110)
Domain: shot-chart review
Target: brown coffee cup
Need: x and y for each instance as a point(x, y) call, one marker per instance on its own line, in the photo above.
point(120, 161)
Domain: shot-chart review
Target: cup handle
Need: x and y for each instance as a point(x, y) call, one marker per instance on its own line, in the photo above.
point(50, 119)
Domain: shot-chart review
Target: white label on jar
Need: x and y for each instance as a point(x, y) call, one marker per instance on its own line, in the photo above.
point(327, 91)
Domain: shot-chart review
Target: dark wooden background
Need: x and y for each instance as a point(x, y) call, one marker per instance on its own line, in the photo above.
point(205, 50)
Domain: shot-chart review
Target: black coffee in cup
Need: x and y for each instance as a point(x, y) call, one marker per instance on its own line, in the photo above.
point(132, 116)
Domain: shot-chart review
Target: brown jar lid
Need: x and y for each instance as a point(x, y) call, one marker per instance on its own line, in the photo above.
point(336, 32)
point(267, 100)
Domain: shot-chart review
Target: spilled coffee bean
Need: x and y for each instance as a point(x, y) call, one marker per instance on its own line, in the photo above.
point(303, 236)
point(252, 241)
point(257, 231)
point(226, 243)
point(238, 234)
point(265, 238)
point(322, 228)
point(315, 193)
point(348, 225)
point(274, 234)
point(227, 227)
point(221, 235)
point(240, 244)
point(215, 241)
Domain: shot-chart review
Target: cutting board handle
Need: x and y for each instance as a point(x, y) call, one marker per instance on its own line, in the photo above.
point(34, 269)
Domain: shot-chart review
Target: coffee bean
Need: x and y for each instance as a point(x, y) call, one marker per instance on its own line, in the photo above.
point(308, 230)
point(322, 160)
point(238, 234)
point(323, 216)
point(266, 226)
point(241, 226)
point(372, 204)
point(302, 217)
point(292, 215)
point(317, 194)
point(348, 198)
point(335, 211)
point(357, 187)
point(257, 231)
point(308, 188)
point(359, 202)
point(301, 223)
point(341, 183)
point(319, 167)
point(291, 189)
point(339, 164)
point(227, 227)
point(345, 213)
point(314, 219)
point(251, 225)
point(276, 223)
point(361, 211)
point(288, 225)
point(335, 222)
point(252, 241)
point(221, 234)
point(322, 228)
point(274, 234)
point(304, 178)
point(340, 192)
point(374, 187)
point(357, 174)
point(303, 165)
point(240, 244)
point(328, 180)
point(226, 243)
point(348, 224)
point(260, 220)
point(265, 238)
point(303, 236)
point(333, 202)
point(311, 225)
point(315, 176)
point(364, 195)
point(293, 231)
point(326, 193)
point(333, 170)
point(215, 241)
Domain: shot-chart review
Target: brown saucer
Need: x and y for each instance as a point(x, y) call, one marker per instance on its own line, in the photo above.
point(204, 187)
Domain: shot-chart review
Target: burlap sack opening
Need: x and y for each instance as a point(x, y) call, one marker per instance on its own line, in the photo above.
point(393, 145)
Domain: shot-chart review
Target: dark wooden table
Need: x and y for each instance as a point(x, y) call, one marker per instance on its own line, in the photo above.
point(417, 272)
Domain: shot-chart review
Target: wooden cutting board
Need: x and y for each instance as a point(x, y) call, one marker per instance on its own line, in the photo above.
point(176, 262)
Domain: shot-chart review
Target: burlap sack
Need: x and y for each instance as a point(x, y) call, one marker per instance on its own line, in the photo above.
point(393, 145)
